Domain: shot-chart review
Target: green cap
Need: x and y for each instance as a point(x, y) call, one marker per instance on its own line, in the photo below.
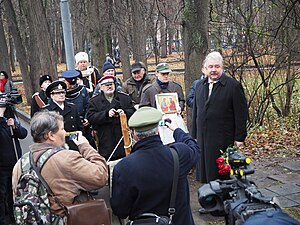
point(163, 68)
point(145, 118)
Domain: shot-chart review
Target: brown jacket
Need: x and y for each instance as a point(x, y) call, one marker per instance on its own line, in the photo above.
point(68, 172)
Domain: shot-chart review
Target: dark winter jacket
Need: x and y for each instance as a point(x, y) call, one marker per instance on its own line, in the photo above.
point(130, 87)
point(34, 106)
point(79, 96)
point(142, 181)
point(109, 128)
point(7, 149)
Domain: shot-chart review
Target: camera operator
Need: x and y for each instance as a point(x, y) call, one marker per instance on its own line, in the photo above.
point(10, 151)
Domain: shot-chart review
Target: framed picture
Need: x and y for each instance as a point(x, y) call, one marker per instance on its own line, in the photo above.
point(167, 103)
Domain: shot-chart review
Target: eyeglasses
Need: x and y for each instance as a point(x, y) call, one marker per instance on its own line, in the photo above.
point(108, 84)
point(58, 93)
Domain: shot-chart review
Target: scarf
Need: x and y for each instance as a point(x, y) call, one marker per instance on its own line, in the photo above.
point(2, 84)
point(161, 84)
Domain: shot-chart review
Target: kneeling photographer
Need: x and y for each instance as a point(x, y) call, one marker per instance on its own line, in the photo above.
point(238, 199)
point(10, 151)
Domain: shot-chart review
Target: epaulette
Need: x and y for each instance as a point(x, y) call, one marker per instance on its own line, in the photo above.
point(36, 93)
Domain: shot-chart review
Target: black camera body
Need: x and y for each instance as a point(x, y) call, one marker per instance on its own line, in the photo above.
point(163, 122)
point(236, 199)
point(11, 98)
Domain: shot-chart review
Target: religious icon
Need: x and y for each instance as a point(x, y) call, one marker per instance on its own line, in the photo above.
point(167, 102)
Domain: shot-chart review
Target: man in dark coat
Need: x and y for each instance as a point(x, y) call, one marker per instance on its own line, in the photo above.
point(72, 123)
point(142, 182)
point(10, 151)
point(39, 99)
point(219, 119)
point(103, 115)
point(135, 84)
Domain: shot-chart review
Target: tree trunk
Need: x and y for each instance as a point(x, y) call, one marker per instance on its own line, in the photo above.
point(138, 31)
point(195, 41)
point(4, 61)
point(20, 49)
point(122, 27)
point(163, 37)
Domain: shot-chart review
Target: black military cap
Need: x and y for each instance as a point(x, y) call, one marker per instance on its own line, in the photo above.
point(55, 86)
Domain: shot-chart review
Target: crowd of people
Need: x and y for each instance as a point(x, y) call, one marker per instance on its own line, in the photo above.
point(88, 104)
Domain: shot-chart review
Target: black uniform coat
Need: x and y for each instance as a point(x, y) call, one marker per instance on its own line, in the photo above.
point(218, 121)
point(34, 106)
point(72, 120)
point(142, 181)
point(109, 128)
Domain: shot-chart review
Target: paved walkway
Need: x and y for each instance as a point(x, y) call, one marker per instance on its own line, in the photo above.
point(288, 191)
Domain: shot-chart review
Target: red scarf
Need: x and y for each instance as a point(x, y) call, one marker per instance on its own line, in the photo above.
point(2, 84)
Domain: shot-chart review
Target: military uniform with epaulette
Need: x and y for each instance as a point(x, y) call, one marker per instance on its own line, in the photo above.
point(72, 122)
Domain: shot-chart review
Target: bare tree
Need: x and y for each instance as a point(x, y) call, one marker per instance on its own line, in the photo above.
point(195, 37)
point(4, 61)
point(20, 49)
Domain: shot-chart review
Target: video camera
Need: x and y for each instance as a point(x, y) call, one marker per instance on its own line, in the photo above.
point(237, 199)
point(11, 98)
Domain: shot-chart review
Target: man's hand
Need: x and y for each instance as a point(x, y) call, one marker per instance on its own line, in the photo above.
point(11, 122)
point(120, 111)
point(81, 139)
point(173, 125)
point(85, 122)
point(112, 112)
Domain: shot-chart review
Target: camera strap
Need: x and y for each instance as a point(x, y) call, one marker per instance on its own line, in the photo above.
point(171, 209)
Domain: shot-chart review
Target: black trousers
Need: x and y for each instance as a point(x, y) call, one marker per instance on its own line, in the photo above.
point(6, 197)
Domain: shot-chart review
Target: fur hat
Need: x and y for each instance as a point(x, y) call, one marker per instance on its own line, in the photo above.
point(44, 78)
point(107, 66)
point(81, 56)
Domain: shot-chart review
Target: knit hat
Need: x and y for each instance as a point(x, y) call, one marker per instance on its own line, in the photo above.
point(44, 78)
point(107, 66)
point(81, 56)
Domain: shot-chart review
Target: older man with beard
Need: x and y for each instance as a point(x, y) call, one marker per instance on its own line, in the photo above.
point(219, 116)
point(103, 114)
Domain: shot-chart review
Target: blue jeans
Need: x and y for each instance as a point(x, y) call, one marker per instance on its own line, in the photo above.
point(6, 197)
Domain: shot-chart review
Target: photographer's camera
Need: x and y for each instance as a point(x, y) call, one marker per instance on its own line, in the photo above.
point(11, 98)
